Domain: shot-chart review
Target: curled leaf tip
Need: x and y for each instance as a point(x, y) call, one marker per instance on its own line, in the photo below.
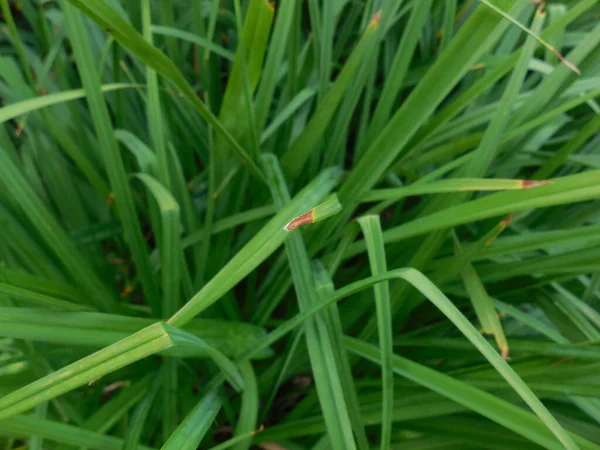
point(527, 184)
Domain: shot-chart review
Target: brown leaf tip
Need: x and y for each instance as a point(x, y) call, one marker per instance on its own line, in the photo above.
point(540, 11)
point(527, 184)
point(508, 219)
point(125, 293)
point(376, 18)
point(110, 199)
point(302, 219)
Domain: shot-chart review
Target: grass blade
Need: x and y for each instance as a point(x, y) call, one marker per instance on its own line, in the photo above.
point(112, 158)
point(128, 214)
point(40, 299)
point(570, 189)
point(371, 227)
point(450, 185)
point(140, 415)
point(24, 107)
point(171, 243)
point(150, 340)
point(249, 409)
point(300, 150)
point(53, 235)
point(100, 330)
point(190, 432)
point(190, 37)
point(271, 236)
point(317, 335)
point(430, 291)
point(153, 110)
point(480, 32)
point(324, 287)
point(482, 303)
point(62, 433)
point(488, 405)
point(101, 13)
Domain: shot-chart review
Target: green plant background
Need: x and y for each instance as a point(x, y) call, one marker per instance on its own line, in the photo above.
point(151, 153)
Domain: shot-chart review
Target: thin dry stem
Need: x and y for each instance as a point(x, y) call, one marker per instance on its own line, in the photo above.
point(570, 65)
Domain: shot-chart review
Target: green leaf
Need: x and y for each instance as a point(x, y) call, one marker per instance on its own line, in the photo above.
point(432, 293)
point(265, 242)
point(153, 339)
point(99, 330)
point(300, 150)
point(571, 189)
point(371, 227)
point(194, 427)
point(320, 348)
point(36, 298)
point(482, 303)
point(101, 13)
point(140, 415)
point(112, 157)
point(55, 431)
point(190, 37)
point(249, 409)
point(14, 110)
point(52, 234)
point(492, 407)
point(471, 42)
point(145, 157)
point(450, 185)
point(171, 254)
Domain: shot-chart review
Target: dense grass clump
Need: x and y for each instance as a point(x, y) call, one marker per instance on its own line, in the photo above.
point(299, 225)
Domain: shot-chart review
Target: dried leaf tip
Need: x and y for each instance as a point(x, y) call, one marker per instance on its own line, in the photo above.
point(504, 353)
point(302, 219)
point(326, 209)
point(508, 219)
point(271, 5)
point(110, 199)
point(527, 184)
point(541, 9)
point(500, 228)
point(126, 291)
point(567, 63)
point(376, 20)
